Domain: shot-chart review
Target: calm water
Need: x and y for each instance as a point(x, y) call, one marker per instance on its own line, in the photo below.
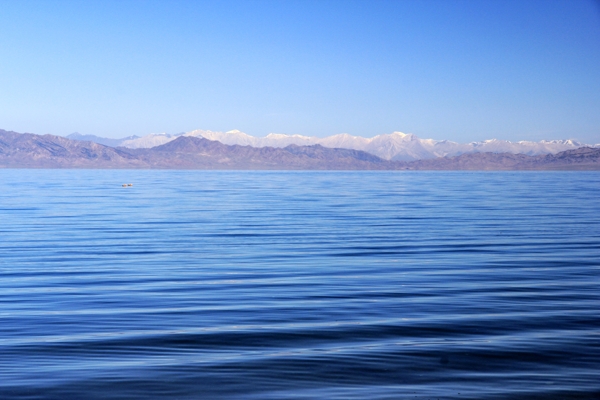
point(259, 285)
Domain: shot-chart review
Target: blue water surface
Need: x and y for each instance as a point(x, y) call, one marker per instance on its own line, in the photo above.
point(285, 285)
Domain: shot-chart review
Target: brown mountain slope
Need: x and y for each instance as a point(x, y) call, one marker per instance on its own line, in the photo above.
point(584, 158)
point(26, 150)
point(194, 152)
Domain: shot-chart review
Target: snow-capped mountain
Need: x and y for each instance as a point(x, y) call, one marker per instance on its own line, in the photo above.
point(394, 146)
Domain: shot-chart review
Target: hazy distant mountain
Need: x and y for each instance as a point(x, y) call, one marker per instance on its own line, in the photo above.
point(395, 146)
point(189, 152)
point(132, 142)
point(100, 140)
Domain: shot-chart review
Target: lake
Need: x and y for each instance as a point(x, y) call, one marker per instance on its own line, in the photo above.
point(290, 285)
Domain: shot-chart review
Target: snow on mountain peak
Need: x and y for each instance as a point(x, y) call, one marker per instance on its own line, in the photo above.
point(284, 136)
point(276, 136)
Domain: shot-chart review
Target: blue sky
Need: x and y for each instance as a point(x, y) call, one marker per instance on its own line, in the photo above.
point(457, 70)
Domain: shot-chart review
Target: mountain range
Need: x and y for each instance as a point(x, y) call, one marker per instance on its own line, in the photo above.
point(26, 150)
point(48, 151)
point(396, 146)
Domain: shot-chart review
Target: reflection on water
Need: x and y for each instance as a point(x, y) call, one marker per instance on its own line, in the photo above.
point(196, 284)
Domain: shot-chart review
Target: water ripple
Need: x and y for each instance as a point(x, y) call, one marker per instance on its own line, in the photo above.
point(270, 285)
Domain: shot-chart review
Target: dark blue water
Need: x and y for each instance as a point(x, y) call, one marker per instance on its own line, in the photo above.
point(399, 285)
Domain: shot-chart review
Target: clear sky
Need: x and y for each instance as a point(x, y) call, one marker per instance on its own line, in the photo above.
point(457, 70)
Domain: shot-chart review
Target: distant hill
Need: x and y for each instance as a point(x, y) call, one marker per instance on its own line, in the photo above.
point(584, 158)
point(28, 150)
